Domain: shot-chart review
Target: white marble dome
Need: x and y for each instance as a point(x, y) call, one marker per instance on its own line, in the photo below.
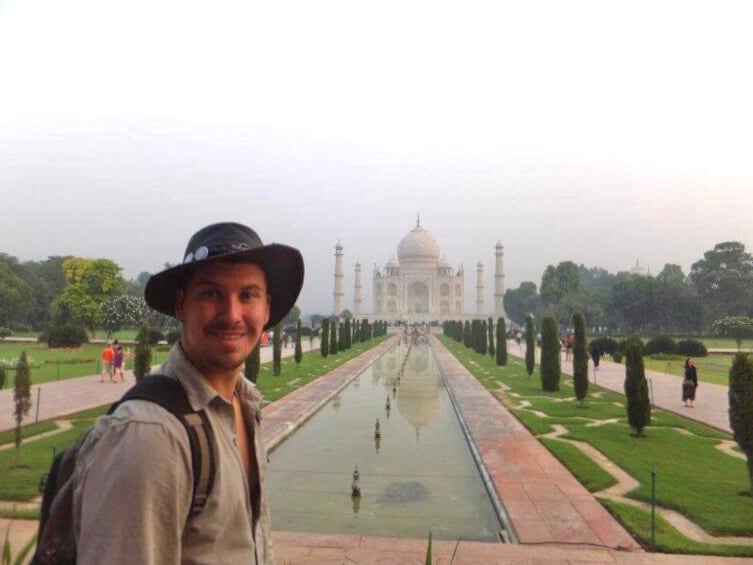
point(418, 246)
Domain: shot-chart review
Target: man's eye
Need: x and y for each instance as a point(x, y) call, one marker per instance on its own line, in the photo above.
point(209, 293)
point(249, 295)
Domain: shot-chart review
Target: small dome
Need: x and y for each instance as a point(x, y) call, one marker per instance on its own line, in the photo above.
point(418, 247)
point(444, 263)
point(392, 264)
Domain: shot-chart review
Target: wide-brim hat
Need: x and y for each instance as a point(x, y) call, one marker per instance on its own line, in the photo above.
point(236, 243)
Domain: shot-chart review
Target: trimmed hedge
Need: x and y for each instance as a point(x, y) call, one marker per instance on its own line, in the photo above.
point(691, 348)
point(660, 344)
point(65, 336)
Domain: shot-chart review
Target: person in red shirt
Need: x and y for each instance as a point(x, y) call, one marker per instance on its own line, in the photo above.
point(107, 357)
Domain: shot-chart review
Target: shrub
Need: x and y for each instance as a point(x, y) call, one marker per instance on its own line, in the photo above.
point(5, 332)
point(617, 357)
point(660, 344)
point(2, 378)
point(155, 336)
point(636, 388)
point(66, 336)
point(691, 348)
point(580, 358)
point(606, 345)
point(172, 337)
point(550, 355)
point(142, 363)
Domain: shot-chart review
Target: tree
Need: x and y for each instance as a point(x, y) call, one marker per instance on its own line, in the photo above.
point(741, 407)
point(737, 327)
point(348, 334)
point(467, 334)
point(324, 341)
point(501, 349)
point(490, 326)
point(333, 337)
point(292, 317)
point(724, 280)
point(550, 355)
point(142, 362)
point(636, 387)
point(346, 314)
point(277, 350)
point(253, 363)
point(580, 358)
point(522, 301)
point(530, 345)
point(559, 281)
point(124, 312)
point(298, 355)
point(90, 282)
point(21, 398)
point(15, 297)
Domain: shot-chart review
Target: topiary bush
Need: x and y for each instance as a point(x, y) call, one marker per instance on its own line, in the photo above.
point(660, 344)
point(691, 348)
point(617, 356)
point(605, 345)
point(5, 332)
point(155, 336)
point(66, 336)
point(172, 337)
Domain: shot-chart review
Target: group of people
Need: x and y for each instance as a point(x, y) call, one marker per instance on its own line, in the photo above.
point(113, 362)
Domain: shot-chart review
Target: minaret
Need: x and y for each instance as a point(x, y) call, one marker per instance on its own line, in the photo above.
point(339, 293)
point(357, 291)
point(499, 281)
point(479, 289)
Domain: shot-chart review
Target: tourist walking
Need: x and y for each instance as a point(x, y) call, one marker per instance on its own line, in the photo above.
point(133, 497)
point(108, 354)
point(118, 361)
point(689, 383)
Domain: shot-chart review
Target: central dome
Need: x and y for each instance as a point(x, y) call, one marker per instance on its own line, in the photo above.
point(418, 246)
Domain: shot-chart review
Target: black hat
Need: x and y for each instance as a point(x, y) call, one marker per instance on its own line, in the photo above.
point(228, 241)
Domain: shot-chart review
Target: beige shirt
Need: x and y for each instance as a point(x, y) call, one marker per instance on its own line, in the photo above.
point(134, 484)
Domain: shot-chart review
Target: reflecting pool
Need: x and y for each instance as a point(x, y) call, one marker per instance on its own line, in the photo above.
point(417, 474)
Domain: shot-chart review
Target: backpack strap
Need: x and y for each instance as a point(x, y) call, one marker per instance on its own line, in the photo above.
point(170, 395)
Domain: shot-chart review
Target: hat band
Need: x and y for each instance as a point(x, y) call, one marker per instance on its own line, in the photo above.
point(203, 252)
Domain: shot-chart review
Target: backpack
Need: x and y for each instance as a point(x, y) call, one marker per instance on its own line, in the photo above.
point(56, 542)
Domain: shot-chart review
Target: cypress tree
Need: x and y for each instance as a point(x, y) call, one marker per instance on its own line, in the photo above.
point(741, 407)
point(333, 337)
point(580, 358)
point(324, 342)
point(530, 345)
point(459, 331)
point(501, 354)
point(636, 387)
point(490, 325)
point(341, 337)
point(277, 351)
point(467, 334)
point(482, 331)
point(348, 335)
point(253, 362)
point(365, 330)
point(550, 355)
point(142, 361)
point(298, 349)
point(21, 399)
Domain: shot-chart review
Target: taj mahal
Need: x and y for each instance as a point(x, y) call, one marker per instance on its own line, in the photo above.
point(420, 284)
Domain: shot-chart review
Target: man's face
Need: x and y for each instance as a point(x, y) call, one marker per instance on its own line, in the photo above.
point(224, 308)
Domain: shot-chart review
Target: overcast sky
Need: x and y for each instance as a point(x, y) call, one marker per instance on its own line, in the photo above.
point(597, 132)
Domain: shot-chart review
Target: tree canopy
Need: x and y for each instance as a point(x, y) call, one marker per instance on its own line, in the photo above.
point(724, 280)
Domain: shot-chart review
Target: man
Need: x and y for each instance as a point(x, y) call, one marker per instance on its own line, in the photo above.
point(107, 356)
point(134, 476)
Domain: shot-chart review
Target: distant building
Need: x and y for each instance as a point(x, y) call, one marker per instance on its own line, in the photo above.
point(639, 269)
point(421, 284)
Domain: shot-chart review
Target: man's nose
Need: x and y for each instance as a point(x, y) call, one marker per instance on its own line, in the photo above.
point(232, 308)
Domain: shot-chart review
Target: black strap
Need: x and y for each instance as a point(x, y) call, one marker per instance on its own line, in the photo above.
point(168, 393)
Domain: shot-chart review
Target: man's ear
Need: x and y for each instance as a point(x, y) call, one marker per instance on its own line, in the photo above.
point(180, 297)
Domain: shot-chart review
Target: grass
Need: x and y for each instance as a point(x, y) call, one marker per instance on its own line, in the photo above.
point(693, 477)
point(58, 364)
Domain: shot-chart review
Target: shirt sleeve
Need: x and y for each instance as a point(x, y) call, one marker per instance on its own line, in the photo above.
point(136, 490)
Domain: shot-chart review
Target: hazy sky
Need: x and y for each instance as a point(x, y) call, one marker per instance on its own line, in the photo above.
point(598, 132)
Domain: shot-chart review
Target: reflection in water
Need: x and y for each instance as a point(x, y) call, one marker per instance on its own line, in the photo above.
point(407, 487)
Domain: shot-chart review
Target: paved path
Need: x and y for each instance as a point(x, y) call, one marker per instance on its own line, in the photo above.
point(59, 398)
point(712, 400)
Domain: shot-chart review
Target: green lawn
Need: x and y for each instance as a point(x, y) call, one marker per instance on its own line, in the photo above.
point(711, 369)
point(692, 476)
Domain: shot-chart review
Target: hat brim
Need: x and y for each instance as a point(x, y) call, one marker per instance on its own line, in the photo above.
point(282, 265)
